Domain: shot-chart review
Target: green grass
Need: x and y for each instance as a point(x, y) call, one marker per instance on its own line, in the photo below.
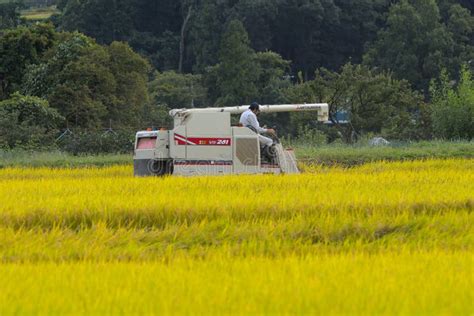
point(345, 155)
point(57, 159)
point(328, 155)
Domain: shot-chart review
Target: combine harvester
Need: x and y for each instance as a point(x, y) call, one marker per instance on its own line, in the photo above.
point(203, 142)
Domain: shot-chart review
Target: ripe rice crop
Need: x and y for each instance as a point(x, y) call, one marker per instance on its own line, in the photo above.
point(381, 238)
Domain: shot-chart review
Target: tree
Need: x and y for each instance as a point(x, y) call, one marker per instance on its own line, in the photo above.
point(150, 27)
point(10, 14)
point(237, 71)
point(157, 17)
point(259, 18)
point(273, 77)
point(453, 107)
point(27, 122)
point(90, 84)
point(303, 33)
point(84, 89)
point(460, 24)
point(376, 102)
point(444, 5)
point(39, 79)
point(20, 48)
point(104, 20)
point(176, 90)
point(206, 29)
point(359, 21)
point(416, 45)
point(71, 78)
point(130, 72)
point(182, 41)
point(467, 4)
point(185, 35)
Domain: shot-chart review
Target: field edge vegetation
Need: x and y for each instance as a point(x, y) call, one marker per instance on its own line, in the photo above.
point(307, 154)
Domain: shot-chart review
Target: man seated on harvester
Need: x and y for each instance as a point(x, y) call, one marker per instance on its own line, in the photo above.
point(249, 119)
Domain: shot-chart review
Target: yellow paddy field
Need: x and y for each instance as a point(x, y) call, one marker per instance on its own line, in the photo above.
point(382, 238)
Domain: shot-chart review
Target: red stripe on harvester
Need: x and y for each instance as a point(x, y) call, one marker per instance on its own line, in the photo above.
point(202, 141)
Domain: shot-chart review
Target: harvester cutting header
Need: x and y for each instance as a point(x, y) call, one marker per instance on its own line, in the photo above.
point(203, 142)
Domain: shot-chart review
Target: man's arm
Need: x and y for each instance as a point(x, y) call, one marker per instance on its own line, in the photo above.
point(254, 123)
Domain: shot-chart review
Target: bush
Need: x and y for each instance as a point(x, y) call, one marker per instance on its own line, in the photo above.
point(310, 136)
point(453, 108)
point(87, 142)
point(27, 122)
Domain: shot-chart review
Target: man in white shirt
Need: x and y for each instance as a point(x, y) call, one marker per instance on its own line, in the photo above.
point(249, 119)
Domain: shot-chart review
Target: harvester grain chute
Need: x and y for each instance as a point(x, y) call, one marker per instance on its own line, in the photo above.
point(203, 142)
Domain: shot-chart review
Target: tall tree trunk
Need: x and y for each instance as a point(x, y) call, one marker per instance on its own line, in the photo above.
point(181, 43)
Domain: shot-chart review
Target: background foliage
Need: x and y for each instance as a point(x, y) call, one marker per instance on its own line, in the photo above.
point(28, 122)
point(124, 63)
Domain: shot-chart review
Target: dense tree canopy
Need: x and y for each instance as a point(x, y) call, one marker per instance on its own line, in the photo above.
point(376, 102)
point(27, 121)
point(129, 61)
point(177, 90)
point(20, 48)
point(412, 38)
point(237, 72)
point(87, 83)
point(416, 44)
point(10, 14)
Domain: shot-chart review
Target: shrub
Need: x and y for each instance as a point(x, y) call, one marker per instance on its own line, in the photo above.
point(27, 122)
point(453, 107)
point(87, 142)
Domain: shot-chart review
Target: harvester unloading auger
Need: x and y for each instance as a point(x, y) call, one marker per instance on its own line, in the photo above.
point(203, 142)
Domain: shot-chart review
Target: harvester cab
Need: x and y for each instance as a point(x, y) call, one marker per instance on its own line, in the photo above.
point(203, 142)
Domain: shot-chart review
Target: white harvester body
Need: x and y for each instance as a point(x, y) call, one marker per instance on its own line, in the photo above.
point(203, 142)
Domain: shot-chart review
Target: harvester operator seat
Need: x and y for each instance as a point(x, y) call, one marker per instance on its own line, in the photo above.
point(268, 154)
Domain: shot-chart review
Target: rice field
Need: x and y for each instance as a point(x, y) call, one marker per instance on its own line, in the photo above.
point(381, 238)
